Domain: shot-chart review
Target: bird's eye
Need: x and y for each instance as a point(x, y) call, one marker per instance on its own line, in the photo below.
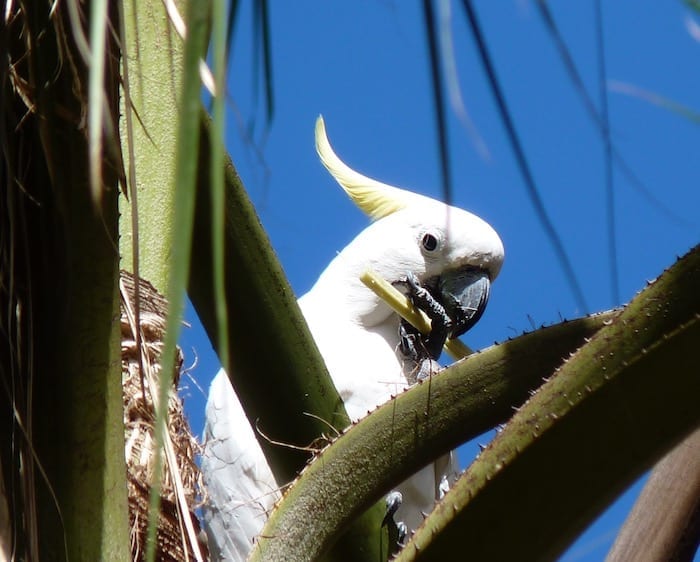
point(429, 242)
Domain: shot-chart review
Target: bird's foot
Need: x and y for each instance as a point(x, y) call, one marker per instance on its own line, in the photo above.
point(441, 323)
point(397, 529)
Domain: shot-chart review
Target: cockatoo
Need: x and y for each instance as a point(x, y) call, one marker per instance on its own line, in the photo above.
point(444, 258)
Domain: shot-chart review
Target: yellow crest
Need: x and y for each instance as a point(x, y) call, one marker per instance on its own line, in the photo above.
point(376, 199)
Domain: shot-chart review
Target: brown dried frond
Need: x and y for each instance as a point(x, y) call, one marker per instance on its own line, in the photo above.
point(181, 482)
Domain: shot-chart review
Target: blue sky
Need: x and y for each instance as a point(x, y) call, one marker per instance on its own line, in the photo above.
point(364, 66)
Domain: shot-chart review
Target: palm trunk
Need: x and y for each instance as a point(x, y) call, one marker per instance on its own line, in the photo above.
point(62, 447)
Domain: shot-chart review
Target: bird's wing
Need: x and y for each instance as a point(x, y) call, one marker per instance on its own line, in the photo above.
point(240, 486)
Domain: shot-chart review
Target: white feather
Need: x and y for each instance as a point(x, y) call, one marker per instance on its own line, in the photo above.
point(240, 486)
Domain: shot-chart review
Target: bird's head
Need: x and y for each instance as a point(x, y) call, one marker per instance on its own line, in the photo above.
point(453, 253)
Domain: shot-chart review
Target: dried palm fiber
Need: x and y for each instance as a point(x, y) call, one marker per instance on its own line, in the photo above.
point(178, 528)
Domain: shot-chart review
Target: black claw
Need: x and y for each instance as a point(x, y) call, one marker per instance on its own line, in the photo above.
point(423, 299)
point(393, 502)
point(402, 530)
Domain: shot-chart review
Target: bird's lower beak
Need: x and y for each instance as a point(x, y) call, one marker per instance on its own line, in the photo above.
point(464, 294)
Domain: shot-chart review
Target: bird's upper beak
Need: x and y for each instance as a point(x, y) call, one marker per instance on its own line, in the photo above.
point(464, 293)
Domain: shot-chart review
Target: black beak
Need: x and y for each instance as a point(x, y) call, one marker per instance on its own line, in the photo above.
point(464, 294)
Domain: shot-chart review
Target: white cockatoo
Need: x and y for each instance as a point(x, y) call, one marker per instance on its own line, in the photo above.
point(443, 257)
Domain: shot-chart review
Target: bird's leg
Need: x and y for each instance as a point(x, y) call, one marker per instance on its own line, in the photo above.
point(410, 341)
point(441, 323)
point(412, 346)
